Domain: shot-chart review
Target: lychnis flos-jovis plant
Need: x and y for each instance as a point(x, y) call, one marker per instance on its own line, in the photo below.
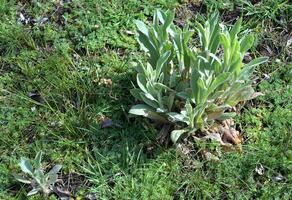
point(39, 181)
point(192, 87)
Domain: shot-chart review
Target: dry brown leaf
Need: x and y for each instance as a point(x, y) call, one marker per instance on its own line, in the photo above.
point(230, 136)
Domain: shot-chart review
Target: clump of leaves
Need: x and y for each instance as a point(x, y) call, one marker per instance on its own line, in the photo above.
point(36, 177)
point(190, 87)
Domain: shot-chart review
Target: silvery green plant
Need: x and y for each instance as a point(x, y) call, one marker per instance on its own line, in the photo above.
point(189, 84)
point(36, 177)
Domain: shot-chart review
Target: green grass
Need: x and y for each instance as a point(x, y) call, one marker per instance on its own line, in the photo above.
point(64, 57)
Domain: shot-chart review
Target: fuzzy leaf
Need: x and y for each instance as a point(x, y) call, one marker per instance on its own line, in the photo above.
point(193, 82)
point(142, 27)
point(168, 20)
point(39, 176)
point(170, 100)
point(22, 179)
point(136, 93)
point(149, 47)
point(246, 43)
point(38, 160)
point(164, 87)
point(225, 116)
point(219, 80)
point(203, 39)
point(175, 135)
point(141, 81)
point(51, 178)
point(147, 111)
point(183, 95)
point(33, 191)
point(235, 29)
point(25, 166)
point(161, 63)
point(55, 169)
point(248, 68)
point(176, 117)
point(148, 101)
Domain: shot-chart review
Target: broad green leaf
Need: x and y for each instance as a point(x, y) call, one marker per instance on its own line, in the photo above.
point(215, 108)
point(177, 41)
point(138, 66)
point(155, 19)
point(136, 93)
point(190, 113)
point(214, 33)
point(248, 68)
point(147, 111)
point(161, 63)
point(219, 80)
point(236, 64)
point(161, 103)
point(187, 35)
point(224, 41)
point(226, 45)
point(183, 95)
point(161, 15)
point(161, 78)
point(201, 93)
point(38, 160)
point(243, 94)
point(141, 81)
point(246, 93)
point(51, 178)
point(26, 166)
point(246, 43)
point(193, 82)
point(147, 46)
point(22, 179)
point(235, 29)
point(225, 116)
point(152, 89)
point(140, 109)
point(175, 135)
point(214, 115)
point(155, 39)
point(170, 101)
point(215, 58)
point(162, 86)
point(161, 110)
point(168, 20)
point(198, 113)
point(214, 43)
point(39, 176)
point(203, 39)
point(55, 169)
point(173, 79)
point(217, 68)
point(235, 58)
point(148, 101)
point(149, 96)
point(33, 191)
point(176, 117)
point(141, 27)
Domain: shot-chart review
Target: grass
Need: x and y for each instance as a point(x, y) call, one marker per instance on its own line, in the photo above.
point(51, 65)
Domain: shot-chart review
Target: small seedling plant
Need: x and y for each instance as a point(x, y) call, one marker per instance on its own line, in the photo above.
point(35, 176)
point(191, 85)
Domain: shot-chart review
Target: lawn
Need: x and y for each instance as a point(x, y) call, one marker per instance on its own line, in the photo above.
point(66, 74)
